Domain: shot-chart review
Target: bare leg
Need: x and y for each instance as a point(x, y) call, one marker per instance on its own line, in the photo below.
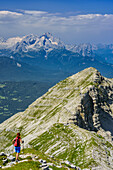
point(17, 156)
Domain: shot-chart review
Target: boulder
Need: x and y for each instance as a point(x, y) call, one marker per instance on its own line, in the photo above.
point(51, 156)
point(78, 168)
point(44, 161)
point(2, 154)
point(11, 158)
point(59, 166)
point(40, 160)
point(36, 157)
point(45, 168)
point(67, 162)
point(5, 161)
point(73, 166)
point(11, 163)
point(43, 165)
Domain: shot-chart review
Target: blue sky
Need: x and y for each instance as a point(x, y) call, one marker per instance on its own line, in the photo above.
point(74, 21)
point(83, 6)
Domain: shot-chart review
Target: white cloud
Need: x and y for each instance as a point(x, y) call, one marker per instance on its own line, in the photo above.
point(9, 13)
point(75, 28)
point(34, 12)
point(88, 16)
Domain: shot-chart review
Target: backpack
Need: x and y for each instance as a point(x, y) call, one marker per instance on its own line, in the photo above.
point(17, 142)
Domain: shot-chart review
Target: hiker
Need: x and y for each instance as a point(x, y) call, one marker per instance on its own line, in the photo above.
point(16, 142)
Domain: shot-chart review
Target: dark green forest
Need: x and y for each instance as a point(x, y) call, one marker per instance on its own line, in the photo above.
point(16, 96)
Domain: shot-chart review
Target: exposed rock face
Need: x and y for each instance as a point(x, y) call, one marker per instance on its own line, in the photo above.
point(87, 114)
point(95, 106)
point(84, 113)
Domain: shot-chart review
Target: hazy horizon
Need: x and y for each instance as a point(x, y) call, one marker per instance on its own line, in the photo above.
point(73, 21)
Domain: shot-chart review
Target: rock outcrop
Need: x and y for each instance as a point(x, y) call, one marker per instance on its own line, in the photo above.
point(95, 107)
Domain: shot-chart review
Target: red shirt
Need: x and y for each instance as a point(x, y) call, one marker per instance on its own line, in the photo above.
point(17, 141)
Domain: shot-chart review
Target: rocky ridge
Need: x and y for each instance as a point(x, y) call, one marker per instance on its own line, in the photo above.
point(74, 117)
point(95, 105)
point(9, 161)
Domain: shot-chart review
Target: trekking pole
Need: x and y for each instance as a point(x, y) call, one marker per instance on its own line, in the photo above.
point(23, 145)
point(13, 148)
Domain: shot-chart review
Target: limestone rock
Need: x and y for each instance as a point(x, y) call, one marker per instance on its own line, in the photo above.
point(45, 168)
point(11, 158)
point(5, 161)
point(2, 154)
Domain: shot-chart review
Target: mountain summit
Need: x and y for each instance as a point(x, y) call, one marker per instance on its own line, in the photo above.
point(32, 42)
point(73, 117)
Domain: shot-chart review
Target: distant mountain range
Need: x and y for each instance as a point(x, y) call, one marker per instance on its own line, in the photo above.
point(43, 57)
point(48, 43)
point(32, 42)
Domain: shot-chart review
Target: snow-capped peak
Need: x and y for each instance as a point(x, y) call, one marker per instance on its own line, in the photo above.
point(26, 42)
point(47, 35)
point(83, 49)
point(34, 42)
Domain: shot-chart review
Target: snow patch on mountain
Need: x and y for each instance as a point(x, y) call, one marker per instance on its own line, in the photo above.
point(11, 57)
point(82, 49)
point(5, 44)
point(19, 65)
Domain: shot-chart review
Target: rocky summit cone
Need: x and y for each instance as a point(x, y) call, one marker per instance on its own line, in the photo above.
point(72, 121)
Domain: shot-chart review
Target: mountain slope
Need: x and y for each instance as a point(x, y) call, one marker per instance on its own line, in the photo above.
point(14, 70)
point(16, 96)
point(11, 69)
point(69, 121)
point(62, 61)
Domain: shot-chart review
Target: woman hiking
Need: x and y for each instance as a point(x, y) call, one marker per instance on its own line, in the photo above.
point(16, 142)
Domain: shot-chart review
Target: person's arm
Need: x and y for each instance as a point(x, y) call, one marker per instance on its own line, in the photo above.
point(13, 141)
point(20, 140)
